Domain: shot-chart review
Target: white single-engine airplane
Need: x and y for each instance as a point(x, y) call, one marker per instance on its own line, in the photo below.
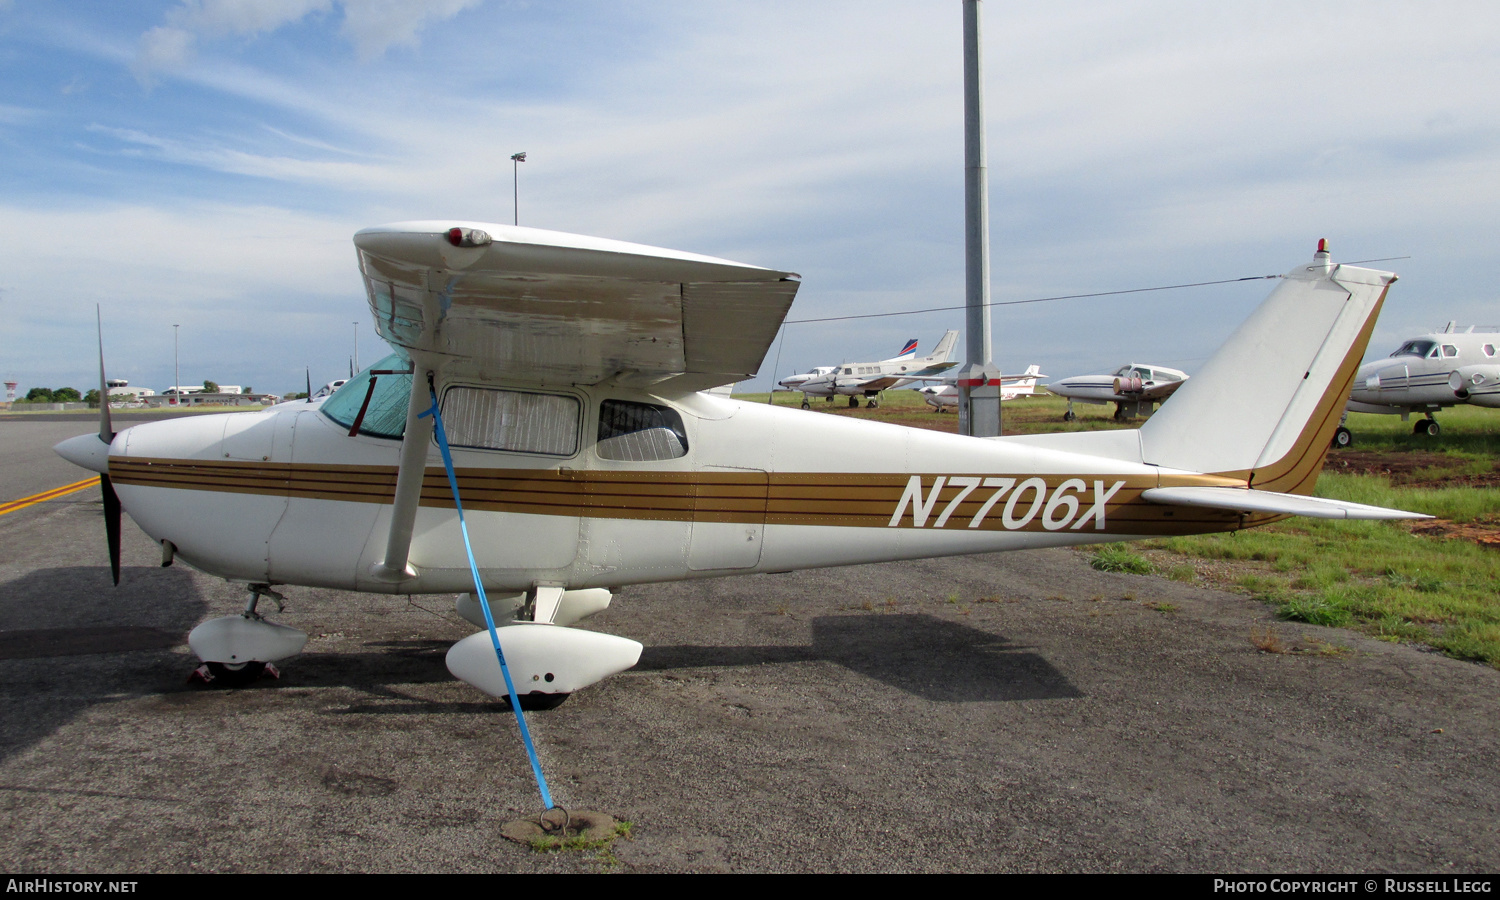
point(1426, 374)
point(570, 375)
point(868, 379)
point(1132, 388)
point(945, 396)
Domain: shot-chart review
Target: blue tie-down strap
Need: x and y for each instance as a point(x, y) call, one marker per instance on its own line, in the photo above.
point(484, 603)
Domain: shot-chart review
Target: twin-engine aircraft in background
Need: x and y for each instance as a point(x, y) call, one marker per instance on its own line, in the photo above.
point(1133, 388)
point(1428, 373)
point(868, 379)
point(945, 396)
point(571, 375)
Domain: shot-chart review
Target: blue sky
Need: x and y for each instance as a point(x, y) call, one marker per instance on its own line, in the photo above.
point(206, 163)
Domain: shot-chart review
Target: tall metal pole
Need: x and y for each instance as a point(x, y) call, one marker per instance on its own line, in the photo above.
point(515, 183)
point(176, 375)
point(986, 422)
point(356, 347)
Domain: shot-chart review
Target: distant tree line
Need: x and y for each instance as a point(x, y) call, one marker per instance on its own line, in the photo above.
point(58, 395)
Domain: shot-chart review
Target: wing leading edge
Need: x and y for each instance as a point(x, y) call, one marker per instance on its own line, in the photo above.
point(523, 304)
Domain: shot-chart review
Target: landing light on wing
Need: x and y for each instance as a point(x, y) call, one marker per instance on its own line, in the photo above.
point(468, 237)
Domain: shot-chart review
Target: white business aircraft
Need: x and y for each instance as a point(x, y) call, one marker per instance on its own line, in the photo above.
point(1132, 388)
point(568, 376)
point(945, 396)
point(854, 380)
point(1428, 373)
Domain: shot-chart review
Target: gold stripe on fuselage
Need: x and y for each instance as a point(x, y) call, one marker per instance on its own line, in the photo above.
point(961, 501)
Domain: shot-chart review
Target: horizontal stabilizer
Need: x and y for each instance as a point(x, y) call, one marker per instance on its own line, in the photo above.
point(1252, 501)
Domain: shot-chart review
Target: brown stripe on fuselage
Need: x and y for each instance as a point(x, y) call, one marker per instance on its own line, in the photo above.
point(801, 498)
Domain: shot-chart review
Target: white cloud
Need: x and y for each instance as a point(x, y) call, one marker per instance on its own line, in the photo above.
point(230, 160)
point(1128, 145)
point(372, 26)
point(162, 49)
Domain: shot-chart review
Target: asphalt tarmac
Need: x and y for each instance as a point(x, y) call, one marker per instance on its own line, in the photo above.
point(1000, 713)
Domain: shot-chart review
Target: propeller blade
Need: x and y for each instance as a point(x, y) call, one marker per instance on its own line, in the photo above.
point(107, 435)
point(111, 525)
point(106, 428)
point(308, 373)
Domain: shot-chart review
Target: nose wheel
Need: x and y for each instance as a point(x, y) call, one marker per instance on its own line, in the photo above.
point(238, 650)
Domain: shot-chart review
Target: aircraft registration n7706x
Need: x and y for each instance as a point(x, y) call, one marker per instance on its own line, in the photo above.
point(572, 375)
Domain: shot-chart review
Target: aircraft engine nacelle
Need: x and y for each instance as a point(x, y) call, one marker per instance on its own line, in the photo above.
point(1132, 384)
point(235, 640)
point(1480, 385)
point(543, 659)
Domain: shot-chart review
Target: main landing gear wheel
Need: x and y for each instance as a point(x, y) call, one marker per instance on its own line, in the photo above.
point(854, 403)
point(1428, 427)
point(873, 404)
point(805, 404)
point(1069, 416)
point(237, 676)
point(1342, 439)
point(538, 701)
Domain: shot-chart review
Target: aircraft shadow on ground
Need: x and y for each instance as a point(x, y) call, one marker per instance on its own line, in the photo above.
point(922, 655)
point(69, 639)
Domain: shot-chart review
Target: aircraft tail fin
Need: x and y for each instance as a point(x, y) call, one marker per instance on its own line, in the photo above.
point(944, 351)
point(1265, 406)
point(908, 351)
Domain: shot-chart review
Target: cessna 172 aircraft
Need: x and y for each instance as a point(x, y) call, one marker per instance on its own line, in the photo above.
point(569, 377)
point(1132, 389)
point(945, 396)
point(869, 379)
point(1426, 374)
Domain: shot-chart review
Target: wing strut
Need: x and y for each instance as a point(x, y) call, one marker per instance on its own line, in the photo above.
point(395, 567)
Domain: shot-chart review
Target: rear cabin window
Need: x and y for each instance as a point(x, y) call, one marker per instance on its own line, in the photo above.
point(640, 432)
point(515, 421)
point(382, 397)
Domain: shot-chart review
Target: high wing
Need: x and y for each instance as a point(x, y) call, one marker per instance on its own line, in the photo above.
point(523, 304)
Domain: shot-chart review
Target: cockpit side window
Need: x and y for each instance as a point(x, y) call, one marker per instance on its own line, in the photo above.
point(387, 396)
point(516, 421)
point(1450, 351)
point(640, 432)
point(1418, 349)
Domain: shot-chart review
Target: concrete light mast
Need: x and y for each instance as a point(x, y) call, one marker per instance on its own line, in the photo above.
point(979, 381)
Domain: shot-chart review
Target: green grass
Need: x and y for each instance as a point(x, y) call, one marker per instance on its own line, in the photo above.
point(1119, 558)
point(1376, 577)
point(1466, 430)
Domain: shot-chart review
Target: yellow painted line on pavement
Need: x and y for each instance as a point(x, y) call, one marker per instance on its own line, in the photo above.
point(44, 496)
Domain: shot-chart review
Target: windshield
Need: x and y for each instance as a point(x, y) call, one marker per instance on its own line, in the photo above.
point(385, 414)
point(1415, 348)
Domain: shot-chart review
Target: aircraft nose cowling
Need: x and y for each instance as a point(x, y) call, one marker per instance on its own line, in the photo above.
point(85, 451)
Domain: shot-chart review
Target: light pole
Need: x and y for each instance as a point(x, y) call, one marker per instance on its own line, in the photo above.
point(176, 378)
point(515, 183)
point(356, 347)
